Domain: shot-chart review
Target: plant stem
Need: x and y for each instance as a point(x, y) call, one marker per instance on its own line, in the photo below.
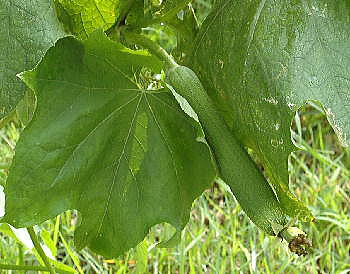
point(20, 256)
point(152, 47)
point(39, 249)
point(24, 267)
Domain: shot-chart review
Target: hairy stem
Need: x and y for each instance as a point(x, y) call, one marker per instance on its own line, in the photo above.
point(39, 249)
point(152, 47)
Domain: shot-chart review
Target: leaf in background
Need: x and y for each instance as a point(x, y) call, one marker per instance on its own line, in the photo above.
point(262, 60)
point(137, 13)
point(169, 6)
point(169, 10)
point(82, 17)
point(126, 158)
point(187, 29)
point(27, 30)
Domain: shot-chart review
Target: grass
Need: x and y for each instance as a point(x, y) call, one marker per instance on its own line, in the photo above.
point(219, 238)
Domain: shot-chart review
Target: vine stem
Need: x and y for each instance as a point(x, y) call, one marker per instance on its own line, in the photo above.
point(39, 249)
point(152, 47)
point(23, 267)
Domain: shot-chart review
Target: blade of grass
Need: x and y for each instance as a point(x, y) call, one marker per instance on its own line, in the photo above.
point(71, 254)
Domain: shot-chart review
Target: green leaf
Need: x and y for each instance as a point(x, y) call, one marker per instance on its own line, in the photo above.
point(262, 60)
point(186, 29)
point(126, 158)
point(138, 13)
point(172, 7)
point(82, 17)
point(27, 30)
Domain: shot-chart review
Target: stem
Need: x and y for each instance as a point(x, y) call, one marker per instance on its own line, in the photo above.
point(20, 256)
point(39, 249)
point(152, 47)
point(24, 267)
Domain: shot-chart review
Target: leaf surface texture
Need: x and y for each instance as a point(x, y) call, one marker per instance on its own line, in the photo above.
point(261, 60)
point(27, 30)
point(82, 17)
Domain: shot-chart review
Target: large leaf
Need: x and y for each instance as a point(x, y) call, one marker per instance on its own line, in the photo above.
point(82, 17)
point(261, 60)
point(27, 30)
point(126, 158)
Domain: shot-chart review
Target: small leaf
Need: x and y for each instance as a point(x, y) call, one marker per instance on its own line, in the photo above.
point(126, 158)
point(27, 30)
point(82, 17)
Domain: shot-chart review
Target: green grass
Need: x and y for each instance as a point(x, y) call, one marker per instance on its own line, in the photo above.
point(219, 238)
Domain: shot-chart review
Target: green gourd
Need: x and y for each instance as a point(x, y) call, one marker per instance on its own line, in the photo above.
point(238, 170)
point(235, 166)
